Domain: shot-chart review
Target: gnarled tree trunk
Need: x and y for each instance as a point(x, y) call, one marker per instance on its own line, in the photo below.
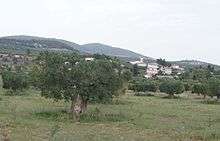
point(78, 106)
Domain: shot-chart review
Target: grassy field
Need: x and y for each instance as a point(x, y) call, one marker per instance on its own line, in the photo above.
point(128, 118)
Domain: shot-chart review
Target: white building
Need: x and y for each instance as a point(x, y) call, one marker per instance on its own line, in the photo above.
point(89, 59)
point(17, 56)
point(166, 70)
point(152, 70)
point(139, 63)
point(175, 66)
point(177, 69)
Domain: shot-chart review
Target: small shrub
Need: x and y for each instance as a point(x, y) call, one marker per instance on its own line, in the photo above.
point(145, 86)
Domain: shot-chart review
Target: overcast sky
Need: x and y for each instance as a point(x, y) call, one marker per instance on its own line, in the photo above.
point(171, 29)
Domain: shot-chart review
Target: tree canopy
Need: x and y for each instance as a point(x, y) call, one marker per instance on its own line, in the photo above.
point(70, 77)
point(200, 88)
point(172, 87)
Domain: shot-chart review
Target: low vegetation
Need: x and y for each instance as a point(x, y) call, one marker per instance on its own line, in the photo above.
point(128, 118)
point(14, 81)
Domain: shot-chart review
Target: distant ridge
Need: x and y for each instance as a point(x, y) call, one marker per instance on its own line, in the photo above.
point(39, 43)
point(20, 43)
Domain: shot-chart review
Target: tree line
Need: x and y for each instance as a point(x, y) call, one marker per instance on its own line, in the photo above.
point(202, 81)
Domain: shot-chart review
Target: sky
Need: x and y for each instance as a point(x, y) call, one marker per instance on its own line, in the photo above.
point(170, 29)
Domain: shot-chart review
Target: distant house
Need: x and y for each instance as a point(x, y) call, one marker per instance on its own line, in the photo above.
point(152, 70)
point(66, 63)
point(175, 66)
point(17, 56)
point(89, 59)
point(139, 63)
point(166, 70)
point(177, 69)
point(3, 55)
point(13, 60)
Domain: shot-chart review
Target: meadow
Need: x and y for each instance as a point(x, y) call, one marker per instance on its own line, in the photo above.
point(128, 118)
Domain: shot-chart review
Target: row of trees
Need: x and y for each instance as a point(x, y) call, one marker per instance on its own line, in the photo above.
point(72, 78)
point(202, 81)
point(210, 88)
point(143, 86)
point(169, 87)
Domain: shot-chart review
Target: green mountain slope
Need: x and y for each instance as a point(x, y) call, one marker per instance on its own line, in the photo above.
point(22, 43)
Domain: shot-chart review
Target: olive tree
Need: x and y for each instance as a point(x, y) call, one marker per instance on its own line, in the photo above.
point(70, 77)
point(214, 87)
point(200, 88)
point(171, 87)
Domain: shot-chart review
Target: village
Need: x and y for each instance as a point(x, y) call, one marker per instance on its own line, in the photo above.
point(153, 70)
point(14, 60)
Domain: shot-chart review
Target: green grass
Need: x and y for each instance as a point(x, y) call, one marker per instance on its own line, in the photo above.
point(129, 118)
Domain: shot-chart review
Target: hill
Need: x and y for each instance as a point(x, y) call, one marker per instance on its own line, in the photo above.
point(194, 64)
point(20, 44)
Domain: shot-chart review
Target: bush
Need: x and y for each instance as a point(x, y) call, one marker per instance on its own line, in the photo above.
point(14, 81)
point(151, 87)
point(145, 86)
point(172, 87)
point(131, 86)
